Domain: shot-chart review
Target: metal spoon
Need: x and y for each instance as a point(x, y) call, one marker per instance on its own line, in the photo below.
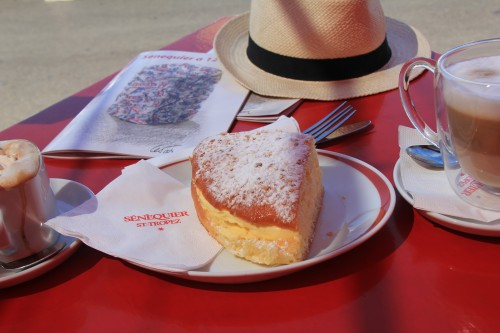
point(426, 155)
point(35, 259)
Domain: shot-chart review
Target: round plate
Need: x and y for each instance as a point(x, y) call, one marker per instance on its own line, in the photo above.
point(456, 223)
point(69, 194)
point(358, 202)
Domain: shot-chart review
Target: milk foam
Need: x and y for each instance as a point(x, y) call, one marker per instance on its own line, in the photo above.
point(479, 95)
point(19, 162)
point(484, 70)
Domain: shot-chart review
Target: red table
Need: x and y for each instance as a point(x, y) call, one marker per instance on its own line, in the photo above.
point(412, 276)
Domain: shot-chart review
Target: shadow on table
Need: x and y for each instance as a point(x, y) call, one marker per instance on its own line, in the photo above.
point(368, 258)
point(86, 258)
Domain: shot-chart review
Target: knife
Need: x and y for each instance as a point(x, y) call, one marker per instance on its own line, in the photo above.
point(346, 130)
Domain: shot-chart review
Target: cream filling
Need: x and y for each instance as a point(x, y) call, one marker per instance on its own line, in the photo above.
point(235, 227)
point(269, 245)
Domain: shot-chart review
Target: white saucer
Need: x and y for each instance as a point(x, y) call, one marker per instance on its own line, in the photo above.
point(358, 202)
point(456, 223)
point(69, 194)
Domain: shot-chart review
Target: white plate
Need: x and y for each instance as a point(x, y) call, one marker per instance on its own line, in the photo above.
point(358, 202)
point(69, 194)
point(460, 224)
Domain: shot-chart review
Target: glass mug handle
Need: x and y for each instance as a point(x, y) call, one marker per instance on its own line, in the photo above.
point(408, 105)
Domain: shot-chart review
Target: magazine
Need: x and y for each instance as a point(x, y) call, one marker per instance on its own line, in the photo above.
point(161, 102)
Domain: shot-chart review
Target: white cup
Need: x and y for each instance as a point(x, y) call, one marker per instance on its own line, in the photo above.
point(26, 202)
point(467, 100)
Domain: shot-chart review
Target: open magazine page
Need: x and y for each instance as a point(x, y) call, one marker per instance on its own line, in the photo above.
point(162, 102)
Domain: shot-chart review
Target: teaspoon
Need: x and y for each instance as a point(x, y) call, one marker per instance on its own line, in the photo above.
point(427, 155)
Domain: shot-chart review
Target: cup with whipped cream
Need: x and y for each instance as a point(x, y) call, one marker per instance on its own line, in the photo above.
point(26, 202)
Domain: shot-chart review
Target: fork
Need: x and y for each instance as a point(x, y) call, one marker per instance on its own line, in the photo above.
point(331, 122)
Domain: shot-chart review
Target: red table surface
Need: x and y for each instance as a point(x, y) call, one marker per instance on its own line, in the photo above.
point(412, 276)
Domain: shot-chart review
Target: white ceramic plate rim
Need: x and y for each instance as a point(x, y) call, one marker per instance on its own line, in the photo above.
point(80, 193)
point(353, 165)
point(455, 223)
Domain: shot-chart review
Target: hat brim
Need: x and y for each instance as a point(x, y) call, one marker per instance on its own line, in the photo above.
point(231, 43)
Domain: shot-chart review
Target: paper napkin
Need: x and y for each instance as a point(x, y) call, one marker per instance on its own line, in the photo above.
point(147, 217)
point(263, 109)
point(430, 188)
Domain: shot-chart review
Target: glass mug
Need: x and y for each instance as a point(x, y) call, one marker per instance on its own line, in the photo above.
point(26, 202)
point(467, 106)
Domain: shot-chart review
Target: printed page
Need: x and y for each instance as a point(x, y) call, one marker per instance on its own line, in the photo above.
point(162, 102)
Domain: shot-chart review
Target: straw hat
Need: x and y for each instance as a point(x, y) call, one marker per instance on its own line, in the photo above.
point(317, 49)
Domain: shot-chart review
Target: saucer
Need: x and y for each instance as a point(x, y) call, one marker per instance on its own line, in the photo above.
point(358, 202)
point(470, 226)
point(69, 194)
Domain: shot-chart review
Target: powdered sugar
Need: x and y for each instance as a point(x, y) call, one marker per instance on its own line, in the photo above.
point(258, 169)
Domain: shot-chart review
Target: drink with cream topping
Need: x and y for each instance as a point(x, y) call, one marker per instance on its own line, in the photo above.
point(473, 110)
point(26, 202)
point(467, 95)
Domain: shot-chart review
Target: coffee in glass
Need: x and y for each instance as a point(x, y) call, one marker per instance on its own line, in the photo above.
point(473, 109)
point(467, 95)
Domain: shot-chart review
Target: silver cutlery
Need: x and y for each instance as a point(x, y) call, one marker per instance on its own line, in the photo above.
point(35, 259)
point(427, 155)
point(331, 122)
point(346, 130)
